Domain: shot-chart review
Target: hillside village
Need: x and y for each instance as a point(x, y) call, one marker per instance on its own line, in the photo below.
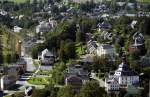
point(74, 48)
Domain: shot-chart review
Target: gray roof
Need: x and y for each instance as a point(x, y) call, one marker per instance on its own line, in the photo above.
point(107, 46)
point(126, 70)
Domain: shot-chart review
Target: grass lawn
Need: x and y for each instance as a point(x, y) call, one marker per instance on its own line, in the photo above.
point(39, 81)
point(18, 1)
point(47, 73)
point(80, 49)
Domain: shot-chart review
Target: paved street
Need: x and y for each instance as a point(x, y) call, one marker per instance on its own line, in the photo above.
point(30, 65)
point(101, 82)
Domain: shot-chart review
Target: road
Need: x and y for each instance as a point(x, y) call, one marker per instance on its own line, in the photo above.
point(30, 65)
point(101, 82)
point(22, 81)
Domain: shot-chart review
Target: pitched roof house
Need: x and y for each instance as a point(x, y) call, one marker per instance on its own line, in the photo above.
point(104, 25)
point(43, 27)
point(17, 29)
point(76, 75)
point(138, 45)
point(122, 77)
point(47, 57)
point(92, 46)
point(106, 49)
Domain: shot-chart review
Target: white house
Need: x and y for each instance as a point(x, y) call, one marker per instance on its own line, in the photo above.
point(104, 25)
point(92, 46)
point(106, 35)
point(138, 38)
point(17, 29)
point(43, 27)
point(3, 12)
point(105, 49)
point(47, 57)
point(121, 78)
point(133, 23)
point(52, 23)
point(121, 3)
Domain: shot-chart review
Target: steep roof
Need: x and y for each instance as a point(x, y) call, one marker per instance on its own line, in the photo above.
point(46, 52)
point(125, 70)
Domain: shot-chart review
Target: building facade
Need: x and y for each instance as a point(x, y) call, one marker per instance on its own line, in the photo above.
point(121, 78)
point(47, 57)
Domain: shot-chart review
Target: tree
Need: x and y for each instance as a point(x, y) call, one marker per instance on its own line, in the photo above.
point(1, 58)
point(92, 89)
point(58, 73)
point(66, 91)
point(40, 93)
point(8, 58)
point(134, 56)
point(35, 2)
point(62, 52)
point(55, 10)
point(79, 36)
point(36, 49)
point(144, 26)
point(58, 0)
point(34, 53)
point(67, 50)
point(86, 24)
point(50, 2)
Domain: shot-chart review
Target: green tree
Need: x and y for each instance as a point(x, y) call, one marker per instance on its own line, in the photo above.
point(58, 73)
point(55, 10)
point(92, 89)
point(8, 58)
point(79, 36)
point(69, 50)
point(37, 49)
point(40, 93)
point(66, 91)
point(1, 58)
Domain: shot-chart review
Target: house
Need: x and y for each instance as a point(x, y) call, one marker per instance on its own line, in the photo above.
point(145, 61)
point(105, 25)
point(121, 78)
point(3, 12)
point(17, 29)
point(131, 5)
point(47, 57)
point(76, 75)
point(106, 49)
point(43, 27)
point(88, 58)
point(20, 17)
point(121, 3)
point(133, 24)
point(91, 47)
point(138, 45)
point(10, 75)
point(106, 35)
point(52, 23)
